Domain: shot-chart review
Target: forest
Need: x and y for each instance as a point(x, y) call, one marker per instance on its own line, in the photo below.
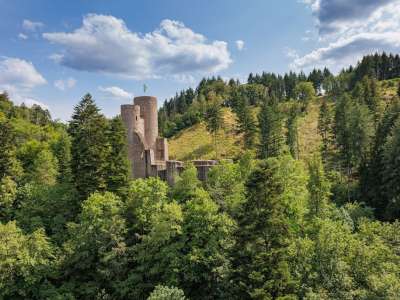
point(267, 224)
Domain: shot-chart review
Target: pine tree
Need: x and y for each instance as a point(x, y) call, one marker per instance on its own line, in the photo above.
point(214, 118)
point(292, 138)
point(271, 135)
point(270, 216)
point(324, 126)
point(245, 119)
point(318, 187)
point(117, 169)
point(90, 148)
point(391, 173)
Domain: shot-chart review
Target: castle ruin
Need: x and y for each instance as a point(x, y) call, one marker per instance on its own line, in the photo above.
point(147, 152)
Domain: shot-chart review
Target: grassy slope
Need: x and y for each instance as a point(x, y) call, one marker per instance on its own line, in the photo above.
point(196, 143)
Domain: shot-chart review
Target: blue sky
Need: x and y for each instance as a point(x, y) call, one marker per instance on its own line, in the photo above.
point(52, 52)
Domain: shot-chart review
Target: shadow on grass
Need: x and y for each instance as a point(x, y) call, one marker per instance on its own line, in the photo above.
point(198, 152)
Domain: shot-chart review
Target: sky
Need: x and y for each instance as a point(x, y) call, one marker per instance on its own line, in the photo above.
point(52, 52)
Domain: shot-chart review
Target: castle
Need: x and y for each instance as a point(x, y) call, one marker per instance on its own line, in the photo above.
point(147, 152)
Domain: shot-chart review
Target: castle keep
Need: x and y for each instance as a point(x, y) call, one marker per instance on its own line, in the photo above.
point(147, 152)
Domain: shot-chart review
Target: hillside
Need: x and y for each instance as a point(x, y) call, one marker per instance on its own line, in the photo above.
point(196, 143)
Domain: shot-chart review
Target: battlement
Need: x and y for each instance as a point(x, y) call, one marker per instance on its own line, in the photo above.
point(147, 152)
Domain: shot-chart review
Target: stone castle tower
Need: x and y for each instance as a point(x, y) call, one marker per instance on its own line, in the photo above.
point(147, 152)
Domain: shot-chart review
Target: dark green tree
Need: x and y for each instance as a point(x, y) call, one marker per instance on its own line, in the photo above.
point(245, 118)
point(271, 133)
point(292, 137)
point(325, 126)
point(117, 169)
point(214, 118)
point(90, 148)
point(270, 217)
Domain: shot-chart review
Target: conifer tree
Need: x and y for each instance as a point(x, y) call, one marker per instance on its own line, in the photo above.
point(271, 135)
point(324, 126)
point(391, 173)
point(117, 170)
point(245, 119)
point(214, 118)
point(90, 148)
point(318, 187)
point(270, 216)
point(292, 139)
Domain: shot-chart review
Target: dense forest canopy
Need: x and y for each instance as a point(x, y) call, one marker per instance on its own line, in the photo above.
point(266, 224)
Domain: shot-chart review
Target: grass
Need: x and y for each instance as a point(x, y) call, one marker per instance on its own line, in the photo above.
point(196, 143)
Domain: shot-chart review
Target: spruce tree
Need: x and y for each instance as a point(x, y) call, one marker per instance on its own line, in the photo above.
point(292, 138)
point(245, 119)
point(270, 217)
point(271, 135)
point(90, 148)
point(214, 118)
point(391, 173)
point(324, 126)
point(117, 169)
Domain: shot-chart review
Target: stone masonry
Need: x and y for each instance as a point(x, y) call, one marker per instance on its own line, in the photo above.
point(147, 152)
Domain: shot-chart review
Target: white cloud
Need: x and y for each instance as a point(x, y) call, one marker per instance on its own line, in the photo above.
point(18, 77)
point(31, 25)
point(104, 44)
point(240, 45)
point(20, 73)
point(115, 92)
point(22, 36)
point(29, 102)
point(62, 84)
point(350, 29)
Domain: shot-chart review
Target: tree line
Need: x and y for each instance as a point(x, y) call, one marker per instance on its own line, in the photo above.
point(265, 225)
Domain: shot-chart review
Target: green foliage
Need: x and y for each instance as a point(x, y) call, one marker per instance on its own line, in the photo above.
point(214, 118)
point(271, 135)
point(245, 117)
point(144, 199)
point(292, 137)
point(318, 187)
point(187, 184)
point(391, 173)
point(8, 164)
point(90, 148)
point(166, 293)
point(95, 253)
point(325, 126)
point(305, 93)
point(25, 260)
point(117, 163)
point(275, 205)
point(225, 184)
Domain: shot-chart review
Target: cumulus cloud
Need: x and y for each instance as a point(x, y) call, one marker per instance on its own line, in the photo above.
point(20, 73)
point(240, 45)
point(63, 84)
point(104, 44)
point(115, 92)
point(18, 77)
point(334, 14)
point(29, 25)
point(350, 29)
